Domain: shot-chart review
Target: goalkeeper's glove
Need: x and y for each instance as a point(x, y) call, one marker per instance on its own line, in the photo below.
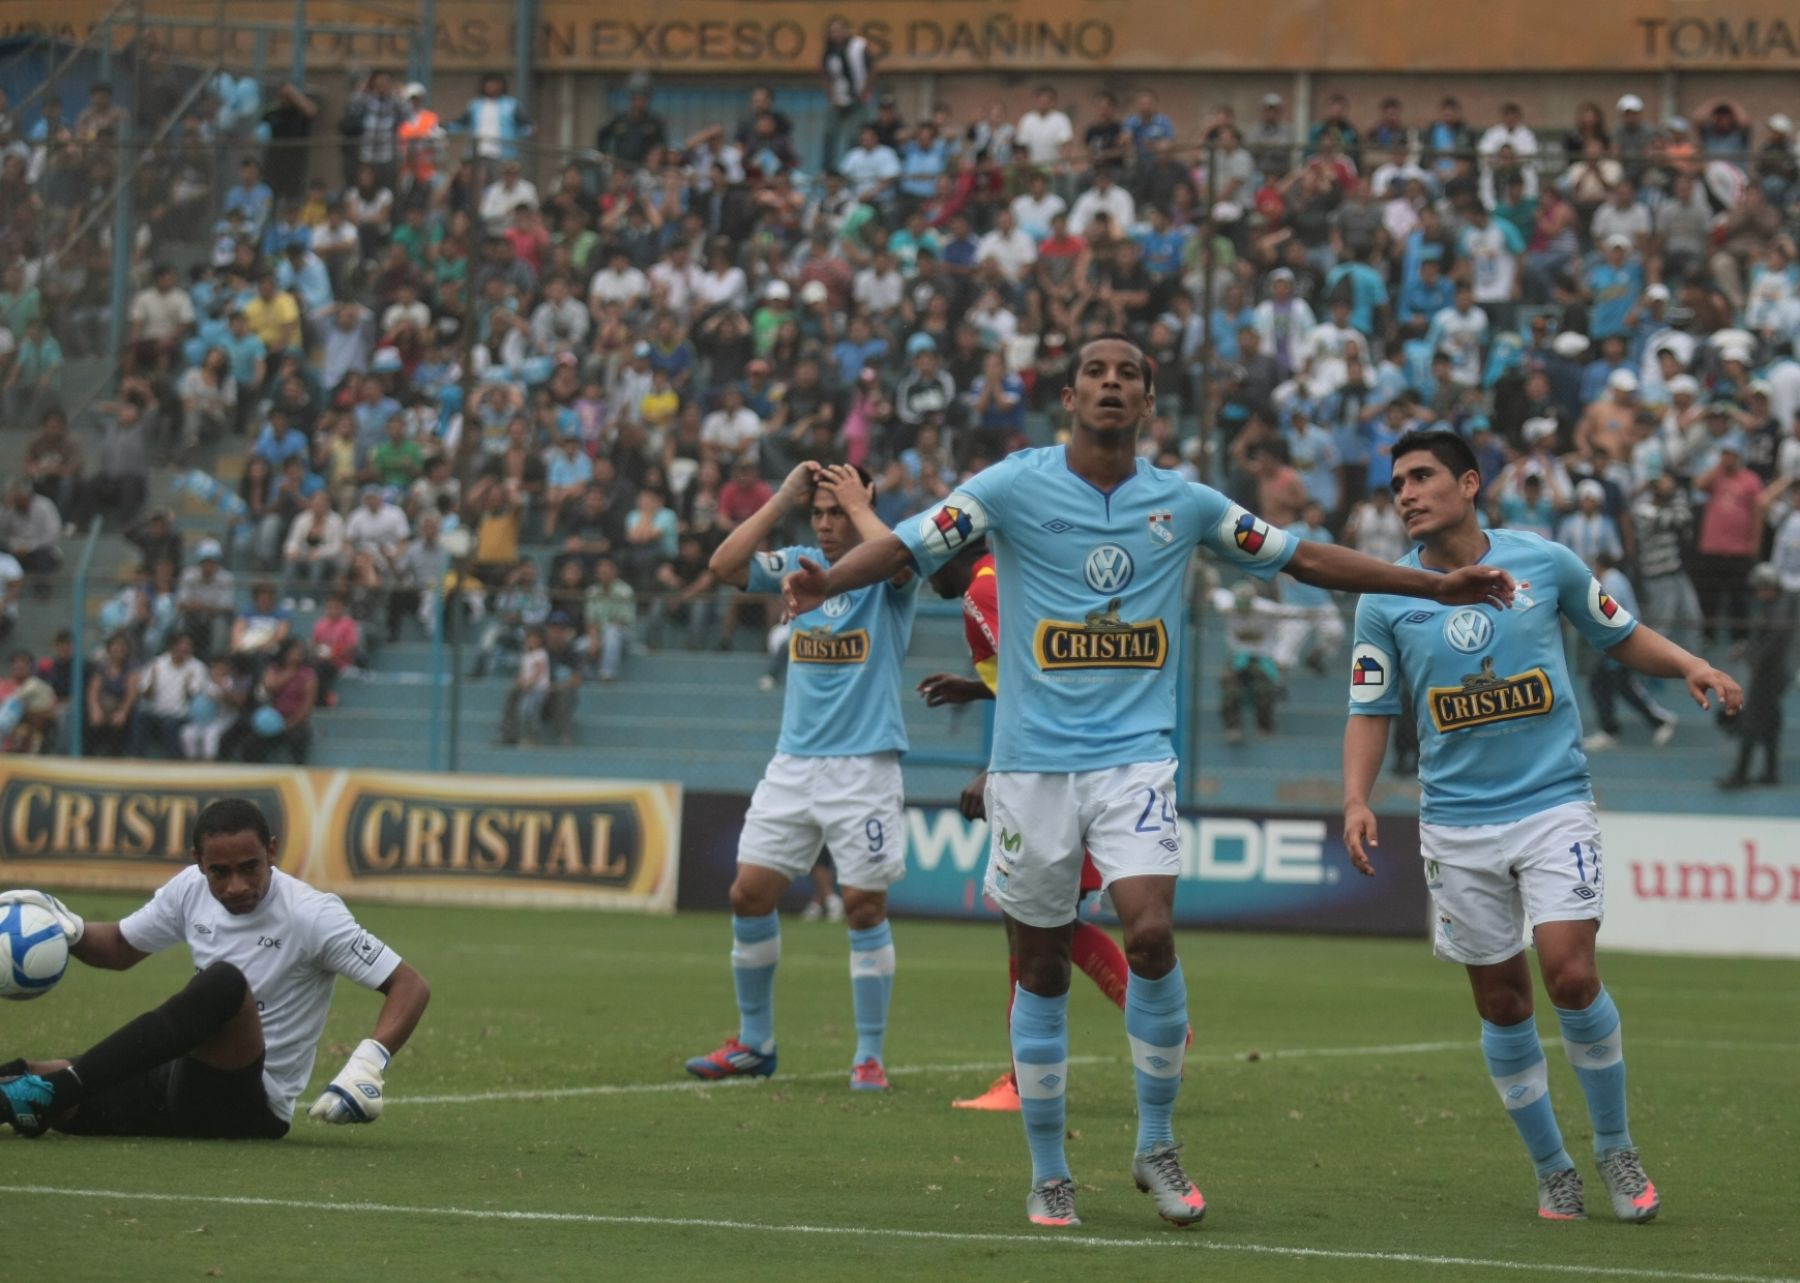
point(72, 926)
point(354, 1096)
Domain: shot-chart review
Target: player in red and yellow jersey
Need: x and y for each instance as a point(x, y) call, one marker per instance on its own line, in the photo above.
point(971, 577)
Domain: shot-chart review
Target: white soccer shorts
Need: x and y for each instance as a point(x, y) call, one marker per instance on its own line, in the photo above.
point(1040, 824)
point(854, 805)
point(1490, 882)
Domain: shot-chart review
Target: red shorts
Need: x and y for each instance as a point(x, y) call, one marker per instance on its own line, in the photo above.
point(1090, 876)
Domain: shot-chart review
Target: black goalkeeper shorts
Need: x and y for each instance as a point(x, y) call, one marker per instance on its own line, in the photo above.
point(182, 1098)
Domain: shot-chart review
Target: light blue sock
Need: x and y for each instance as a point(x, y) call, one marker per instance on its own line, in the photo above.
point(1593, 1041)
point(1515, 1060)
point(1040, 1048)
point(755, 949)
point(871, 986)
point(1156, 1024)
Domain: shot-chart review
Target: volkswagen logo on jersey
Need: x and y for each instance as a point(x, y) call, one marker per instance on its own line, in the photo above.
point(836, 607)
point(1468, 630)
point(1108, 569)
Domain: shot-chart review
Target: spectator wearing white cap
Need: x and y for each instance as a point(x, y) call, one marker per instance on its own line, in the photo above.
point(1762, 434)
point(1612, 287)
point(1284, 321)
point(1622, 214)
point(1632, 135)
point(1772, 309)
point(1589, 530)
point(1606, 423)
point(1775, 166)
point(1650, 318)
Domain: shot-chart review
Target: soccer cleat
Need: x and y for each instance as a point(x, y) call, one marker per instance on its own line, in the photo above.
point(1559, 1196)
point(25, 1104)
point(1001, 1097)
point(1158, 1172)
point(1052, 1203)
point(868, 1076)
point(1634, 1198)
point(1599, 742)
point(1664, 734)
point(733, 1060)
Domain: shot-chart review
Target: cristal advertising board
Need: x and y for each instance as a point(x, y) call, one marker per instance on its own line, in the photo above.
point(1239, 869)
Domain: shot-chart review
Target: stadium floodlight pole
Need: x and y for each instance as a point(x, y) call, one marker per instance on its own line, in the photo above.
point(453, 621)
point(1203, 397)
point(525, 22)
point(296, 55)
point(424, 44)
point(122, 222)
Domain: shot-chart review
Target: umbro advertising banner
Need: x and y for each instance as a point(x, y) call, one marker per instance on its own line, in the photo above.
point(1241, 870)
point(1720, 885)
point(407, 837)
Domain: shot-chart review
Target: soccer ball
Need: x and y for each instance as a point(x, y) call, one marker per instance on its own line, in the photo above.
point(33, 952)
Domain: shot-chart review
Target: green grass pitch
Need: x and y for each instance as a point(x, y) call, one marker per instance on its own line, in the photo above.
point(1336, 1112)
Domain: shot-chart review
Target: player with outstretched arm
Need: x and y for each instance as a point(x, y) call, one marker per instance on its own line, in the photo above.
point(835, 777)
point(969, 577)
point(1507, 827)
point(1092, 546)
point(226, 1057)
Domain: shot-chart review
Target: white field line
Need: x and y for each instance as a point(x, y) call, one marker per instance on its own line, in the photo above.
point(1055, 1241)
point(980, 1066)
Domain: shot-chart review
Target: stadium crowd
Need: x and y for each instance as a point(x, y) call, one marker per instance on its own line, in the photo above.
point(418, 356)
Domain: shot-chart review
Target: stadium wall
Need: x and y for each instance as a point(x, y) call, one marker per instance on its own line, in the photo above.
point(373, 835)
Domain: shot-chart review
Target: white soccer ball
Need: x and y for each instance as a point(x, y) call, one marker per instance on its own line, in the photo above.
point(33, 952)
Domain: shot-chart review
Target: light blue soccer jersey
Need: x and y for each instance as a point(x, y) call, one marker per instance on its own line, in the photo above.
point(843, 683)
point(1499, 730)
point(1091, 591)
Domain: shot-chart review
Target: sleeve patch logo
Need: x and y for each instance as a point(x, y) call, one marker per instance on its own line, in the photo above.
point(773, 562)
point(367, 948)
point(1250, 534)
point(1604, 608)
point(1370, 673)
point(954, 523)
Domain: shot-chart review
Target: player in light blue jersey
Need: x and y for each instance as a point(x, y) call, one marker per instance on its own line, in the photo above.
point(1507, 826)
point(1092, 545)
point(835, 777)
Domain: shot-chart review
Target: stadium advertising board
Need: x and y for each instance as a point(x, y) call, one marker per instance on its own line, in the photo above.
point(1239, 870)
point(414, 838)
point(786, 36)
point(491, 839)
point(127, 826)
point(1702, 884)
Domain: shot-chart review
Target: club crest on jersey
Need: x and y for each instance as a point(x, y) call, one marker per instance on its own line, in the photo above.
point(822, 646)
point(1102, 640)
point(1604, 608)
point(1485, 698)
point(1108, 569)
point(1468, 630)
point(1369, 669)
point(1162, 526)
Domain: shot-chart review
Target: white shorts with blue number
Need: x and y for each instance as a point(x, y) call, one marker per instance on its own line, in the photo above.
point(1490, 882)
point(1039, 825)
point(854, 805)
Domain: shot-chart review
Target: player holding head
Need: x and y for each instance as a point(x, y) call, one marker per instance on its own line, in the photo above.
point(1091, 545)
point(226, 1057)
point(835, 777)
point(970, 576)
point(1507, 825)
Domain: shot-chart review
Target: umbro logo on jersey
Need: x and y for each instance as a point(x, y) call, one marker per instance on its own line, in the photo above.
point(1417, 617)
point(201, 929)
point(1057, 526)
point(1585, 892)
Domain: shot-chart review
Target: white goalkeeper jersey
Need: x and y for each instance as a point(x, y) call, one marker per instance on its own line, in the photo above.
point(291, 948)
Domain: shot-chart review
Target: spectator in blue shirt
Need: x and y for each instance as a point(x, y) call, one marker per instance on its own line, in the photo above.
point(1147, 127)
point(996, 405)
point(251, 198)
point(1368, 290)
point(1425, 295)
point(1613, 286)
point(859, 348)
point(279, 440)
point(1163, 245)
point(923, 160)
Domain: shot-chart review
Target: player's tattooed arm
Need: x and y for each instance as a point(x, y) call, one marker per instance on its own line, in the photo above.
point(1648, 652)
point(1331, 566)
point(1365, 744)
